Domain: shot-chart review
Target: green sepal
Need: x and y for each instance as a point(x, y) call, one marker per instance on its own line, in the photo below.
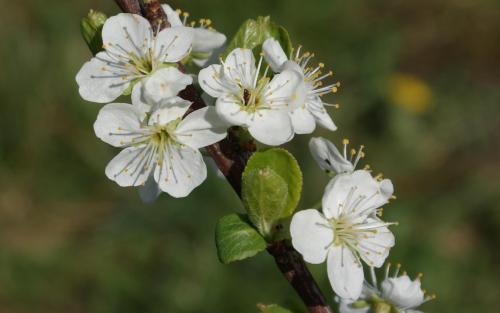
point(91, 28)
point(128, 90)
point(236, 239)
point(271, 188)
point(252, 34)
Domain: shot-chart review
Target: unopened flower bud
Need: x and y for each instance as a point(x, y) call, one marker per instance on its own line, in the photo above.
point(91, 27)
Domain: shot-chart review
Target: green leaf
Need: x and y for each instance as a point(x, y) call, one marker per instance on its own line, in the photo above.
point(271, 187)
point(91, 28)
point(252, 33)
point(272, 308)
point(237, 239)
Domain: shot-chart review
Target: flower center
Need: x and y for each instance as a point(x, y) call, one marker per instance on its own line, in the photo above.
point(252, 99)
point(143, 64)
point(346, 233)
point(162, 134)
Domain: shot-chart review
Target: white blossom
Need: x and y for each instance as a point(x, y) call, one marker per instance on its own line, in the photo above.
point(132, 55)
point(160, 149)
point(312, 108)
point(395, 294)
point(347, 231)
point(245, 98)
point(206, 40)
point(330, 159)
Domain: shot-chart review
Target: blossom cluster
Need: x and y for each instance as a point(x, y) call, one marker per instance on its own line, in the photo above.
point(274, 97)
point(160, 136)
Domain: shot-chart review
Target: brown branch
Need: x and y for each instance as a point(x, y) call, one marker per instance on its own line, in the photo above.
point(154, 13)
point(231, 155)
point(129, 6)
point(298, 275)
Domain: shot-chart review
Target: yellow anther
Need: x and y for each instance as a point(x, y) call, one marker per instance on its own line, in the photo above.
point(334, 89)
point(321, 65)
point(420, 275)
point(185, 14)
point(345, 141)
point(353, 151)
point(208, 22)
point(178, 11)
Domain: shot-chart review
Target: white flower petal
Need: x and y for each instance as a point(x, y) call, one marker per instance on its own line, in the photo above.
point(168, 110)
point(403, 292)
point(311, 235)
point(102, 79)
point(132, 166)
point(328, 156)
point(182, 169)
point(201, 128)
point(274, 54)
point(138, 100)
point(125, 34)
point(119, 124)
point(165, 83)
point(345, 273)
point(213, 81)
point(150, 191)
point(229, 110)
point(206, 40)
point(374, 247)
point(386, 188)
point(173, 44)
point(321, 114)
point(240, 67)
point(282, 90)
point(357, 193)
point(302, 120)
point(172, 16)
point(293, 66)
point(271, 127)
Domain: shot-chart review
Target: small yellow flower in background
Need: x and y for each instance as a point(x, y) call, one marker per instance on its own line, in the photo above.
point(410, 92)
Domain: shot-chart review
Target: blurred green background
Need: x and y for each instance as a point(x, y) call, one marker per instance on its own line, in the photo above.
point(420, 88)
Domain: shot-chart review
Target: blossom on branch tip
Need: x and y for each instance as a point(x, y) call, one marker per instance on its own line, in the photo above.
point(347, 231)
point(394, 294)
point(311, 110)
point(245, 98)
point(160, 149)
point(133, 53)
point(206, 40)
